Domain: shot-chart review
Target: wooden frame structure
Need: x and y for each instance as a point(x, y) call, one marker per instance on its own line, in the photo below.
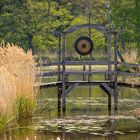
point(109, 89)
point(110, 83)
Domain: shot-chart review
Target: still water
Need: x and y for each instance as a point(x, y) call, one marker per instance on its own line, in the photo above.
point(87, 117)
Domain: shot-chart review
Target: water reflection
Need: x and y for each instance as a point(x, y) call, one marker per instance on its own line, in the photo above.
point(110, 123)
point(86, 105)
point(64, 136)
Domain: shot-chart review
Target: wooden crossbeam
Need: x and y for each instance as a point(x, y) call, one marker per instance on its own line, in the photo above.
point(88, 72)
point(86, 83)
point(98, 27)
point(129, 74)
point(70, 88)
point(120, 56)
point(107, 88)
point(49, 64)
point(49, 85)
point(88, 62)
point(46, 74)
point(129, 64)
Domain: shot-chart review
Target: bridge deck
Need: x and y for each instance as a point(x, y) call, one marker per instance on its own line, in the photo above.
point(86, 83)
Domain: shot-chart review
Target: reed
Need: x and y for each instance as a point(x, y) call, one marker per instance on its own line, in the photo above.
point(17, 72)
point(131, 56)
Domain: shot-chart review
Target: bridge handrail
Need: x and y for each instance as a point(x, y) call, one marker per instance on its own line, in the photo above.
point(129, 64)
point(76, 63)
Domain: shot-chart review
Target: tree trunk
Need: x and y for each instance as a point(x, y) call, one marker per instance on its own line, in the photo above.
point(30, 40)
point(49, 7)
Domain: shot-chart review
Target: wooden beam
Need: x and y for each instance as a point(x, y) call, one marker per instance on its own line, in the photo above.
point(128, 85)
point(87, 83)
point(59, 94)
point(87, 72)
point(88, 62)
point(48, 85)
point(120, 56)
point(98, 27)
point(84, 76)
point(115, 69)
point(109, 55)
point(107, 87)
point(70, 88)
point(47, 74)
point(129, 64)
point(128, 74)
point(76, 63)
point(49, 64)
point(59, 56)
point(63, 75)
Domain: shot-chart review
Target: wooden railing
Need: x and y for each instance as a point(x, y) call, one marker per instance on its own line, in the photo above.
point(87, 72)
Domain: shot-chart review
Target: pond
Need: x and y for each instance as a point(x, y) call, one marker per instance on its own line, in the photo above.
point(87, 117)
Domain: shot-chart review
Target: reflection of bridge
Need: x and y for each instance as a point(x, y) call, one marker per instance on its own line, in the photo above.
point(109, 84)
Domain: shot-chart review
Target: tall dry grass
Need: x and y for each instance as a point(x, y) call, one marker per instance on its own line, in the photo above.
point(131, 56)
point(17, 80)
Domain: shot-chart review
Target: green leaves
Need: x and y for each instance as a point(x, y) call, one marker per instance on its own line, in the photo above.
point(32, 23)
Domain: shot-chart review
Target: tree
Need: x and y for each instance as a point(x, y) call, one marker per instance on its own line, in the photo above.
point(126, 17)
point(29, 23)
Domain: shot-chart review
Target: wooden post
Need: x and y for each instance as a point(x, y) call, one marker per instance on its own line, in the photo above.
point(104, 88)
point(115, 69)
point(63, 75)
point(109, 54)
point(59, 89)
point(59, 101)
point(109, 101)
point(90, 75)
point(59, 56)
point(89, 22)
point(84, 76)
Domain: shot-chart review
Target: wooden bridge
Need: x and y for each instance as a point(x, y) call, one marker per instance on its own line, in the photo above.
point(109, 83)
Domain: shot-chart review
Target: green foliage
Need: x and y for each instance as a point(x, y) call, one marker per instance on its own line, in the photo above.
point(24, 108)
point(28, 23)
point(126, 17)
point(124, 68)
point(3, 123)
point(34, 24)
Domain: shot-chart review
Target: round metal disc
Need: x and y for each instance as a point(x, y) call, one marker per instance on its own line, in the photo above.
point(83, 46)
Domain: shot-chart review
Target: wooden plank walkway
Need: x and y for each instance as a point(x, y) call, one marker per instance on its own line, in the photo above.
point(86, 83)
point(49, 85)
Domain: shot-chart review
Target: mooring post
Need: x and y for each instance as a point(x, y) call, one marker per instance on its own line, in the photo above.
point(63, 75)
point(115, 69)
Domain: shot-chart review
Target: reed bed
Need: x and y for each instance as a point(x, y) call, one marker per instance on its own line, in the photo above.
point(17, 93)
point(130, 56)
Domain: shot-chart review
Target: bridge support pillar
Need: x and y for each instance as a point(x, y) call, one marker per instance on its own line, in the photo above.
point(64, 95)
point(59, 101)
point(109, 102)
point(109, 91)
point(115, 96)
point(116, 69)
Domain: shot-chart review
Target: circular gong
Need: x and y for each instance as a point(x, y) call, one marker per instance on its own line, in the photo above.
point(84, 45)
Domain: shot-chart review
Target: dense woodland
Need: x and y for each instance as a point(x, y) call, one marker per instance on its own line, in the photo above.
point(35, 23)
